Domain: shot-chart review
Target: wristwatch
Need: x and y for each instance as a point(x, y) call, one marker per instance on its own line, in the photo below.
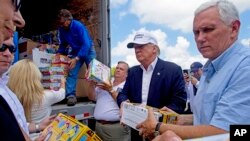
point(157, 129)
point(37, 128)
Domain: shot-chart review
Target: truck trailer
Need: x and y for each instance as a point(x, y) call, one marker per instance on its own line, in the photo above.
point(41, 16)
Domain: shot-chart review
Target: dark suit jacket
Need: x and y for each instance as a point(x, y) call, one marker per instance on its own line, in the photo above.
point(167, 87)
point(9, 127)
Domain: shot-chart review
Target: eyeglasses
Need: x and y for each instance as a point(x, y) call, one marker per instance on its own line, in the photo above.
point(17, 4)
point(12, 49)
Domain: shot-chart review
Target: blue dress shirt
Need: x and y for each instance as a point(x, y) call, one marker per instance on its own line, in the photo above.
point(223, 97)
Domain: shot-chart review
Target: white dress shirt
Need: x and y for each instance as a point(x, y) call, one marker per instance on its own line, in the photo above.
point(146, 79)
point(13, 102)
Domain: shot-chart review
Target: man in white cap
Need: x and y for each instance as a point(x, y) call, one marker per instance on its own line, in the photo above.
point(155, 82)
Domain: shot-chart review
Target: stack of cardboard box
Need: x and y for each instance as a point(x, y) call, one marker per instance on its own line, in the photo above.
point(52, 77)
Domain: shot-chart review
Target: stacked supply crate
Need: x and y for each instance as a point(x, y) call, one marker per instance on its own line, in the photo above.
point(52, 77)
point(61, 61)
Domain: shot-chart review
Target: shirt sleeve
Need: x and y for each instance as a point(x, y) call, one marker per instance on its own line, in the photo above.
point(54, 96)
point(63, 44)
point(233, 107)
point(86, 42)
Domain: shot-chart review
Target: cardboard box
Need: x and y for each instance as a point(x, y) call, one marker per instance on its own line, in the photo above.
point(82, 85)
point(134, 113)
point(27, 46)
point(82, 88)
point(168, 117)
point(41, 58)
point(25, 55)
point(51, 85)
point(61, 61)
point(65, 128)
point(52, 70)
point(99, 72)
point(82, 71)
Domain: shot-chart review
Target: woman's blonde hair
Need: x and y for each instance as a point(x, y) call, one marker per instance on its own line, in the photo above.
point(25, 82)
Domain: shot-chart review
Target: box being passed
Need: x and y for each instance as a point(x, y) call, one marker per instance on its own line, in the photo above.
point(134, 113)
point(99, 72)
point(65, 128)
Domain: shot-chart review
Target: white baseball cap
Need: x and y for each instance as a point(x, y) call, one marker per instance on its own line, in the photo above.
point(142, 38)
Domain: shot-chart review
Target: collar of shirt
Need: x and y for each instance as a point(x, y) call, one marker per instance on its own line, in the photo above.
point(4, 79)
point(215, 65)
point(151, 66)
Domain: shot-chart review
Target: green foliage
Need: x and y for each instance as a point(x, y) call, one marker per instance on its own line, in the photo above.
point(112, 71)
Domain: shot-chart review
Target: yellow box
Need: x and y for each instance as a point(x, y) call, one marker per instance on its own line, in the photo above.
point(65, 128)
point(168, 117)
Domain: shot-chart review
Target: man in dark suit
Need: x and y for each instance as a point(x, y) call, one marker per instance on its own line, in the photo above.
point(155, 82)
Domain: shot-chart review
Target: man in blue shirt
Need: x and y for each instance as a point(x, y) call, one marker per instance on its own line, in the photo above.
point(223, 96)
point(75, 42)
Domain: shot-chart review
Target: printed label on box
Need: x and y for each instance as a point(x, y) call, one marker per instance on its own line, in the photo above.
point(133, 114)
point(99, 72)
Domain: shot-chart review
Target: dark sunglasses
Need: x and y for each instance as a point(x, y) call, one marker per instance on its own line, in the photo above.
point(17, 4)
point(12, 49)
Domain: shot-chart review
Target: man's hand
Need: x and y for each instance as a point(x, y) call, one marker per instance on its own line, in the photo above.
point(105, 86)
point(167, 136)
point(147, 127)
point(194, 80)
point(72, 63)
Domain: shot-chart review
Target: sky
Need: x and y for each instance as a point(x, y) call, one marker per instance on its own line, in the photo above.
point(170, 21)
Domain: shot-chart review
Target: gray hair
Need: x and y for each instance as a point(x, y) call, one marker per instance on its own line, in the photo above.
point(227, 10)
point(123, 62)
point(64, 13)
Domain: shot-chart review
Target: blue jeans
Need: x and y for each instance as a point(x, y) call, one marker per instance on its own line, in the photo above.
point(73, 73)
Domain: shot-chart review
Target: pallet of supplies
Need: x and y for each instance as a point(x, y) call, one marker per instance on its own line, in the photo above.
point(99, 72)
point(135, 113)
point(65, 128)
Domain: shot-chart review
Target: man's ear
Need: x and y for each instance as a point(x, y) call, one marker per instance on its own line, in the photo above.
point(235, 28)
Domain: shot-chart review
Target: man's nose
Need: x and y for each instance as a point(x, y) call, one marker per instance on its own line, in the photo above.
point(18, 19)
point(7, 52)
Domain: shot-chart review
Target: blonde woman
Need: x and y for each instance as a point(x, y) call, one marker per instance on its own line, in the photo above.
point(25, 82)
